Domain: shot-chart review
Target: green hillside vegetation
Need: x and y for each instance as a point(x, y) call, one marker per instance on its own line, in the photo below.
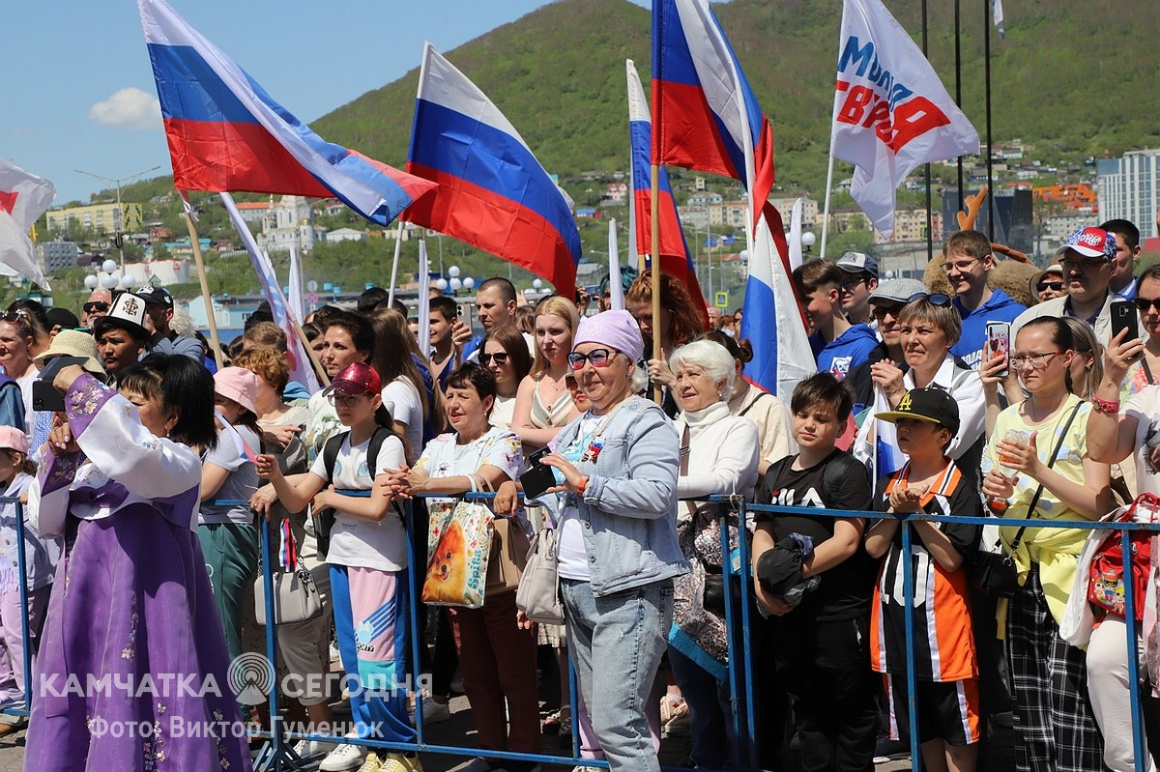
point(1071, 79)
point(557, 74)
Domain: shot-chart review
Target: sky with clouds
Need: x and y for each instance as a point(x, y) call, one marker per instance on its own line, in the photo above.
point(77, 89)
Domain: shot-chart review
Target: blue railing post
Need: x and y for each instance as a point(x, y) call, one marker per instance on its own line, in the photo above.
point(731, 660)
point(21, 565)
point(271, 646)
point(1133, 652)
point(746, 579)
point(911, 676)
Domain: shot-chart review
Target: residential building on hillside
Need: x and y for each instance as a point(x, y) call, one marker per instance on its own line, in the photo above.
point(810, 210)
point(705, 198)
point(1080, 198)
point(345, 234)
point(57, 255)
point(695, 217)
point(102, 218)
point(616, 192)
point(910, 226)
point(254, 212)
point(1129, 188)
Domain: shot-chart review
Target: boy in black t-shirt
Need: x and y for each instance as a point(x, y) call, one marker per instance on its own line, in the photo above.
point(815, 580)
point(946, 667)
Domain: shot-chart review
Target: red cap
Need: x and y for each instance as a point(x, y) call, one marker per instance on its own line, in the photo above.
point(357, 378)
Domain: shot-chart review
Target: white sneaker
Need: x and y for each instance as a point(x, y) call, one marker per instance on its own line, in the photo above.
point(309, 748)
point(343, 758)
point(435, 712)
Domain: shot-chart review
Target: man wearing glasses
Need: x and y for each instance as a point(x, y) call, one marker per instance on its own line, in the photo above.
point(859, 279)
point(1086, 260)
point(95, 307)
point(967, 261)
point(887, 301)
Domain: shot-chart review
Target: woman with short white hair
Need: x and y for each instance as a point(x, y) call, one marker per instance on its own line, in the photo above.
point(719, 455)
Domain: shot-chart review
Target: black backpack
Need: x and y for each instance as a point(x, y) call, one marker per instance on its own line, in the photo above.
point(324, 520)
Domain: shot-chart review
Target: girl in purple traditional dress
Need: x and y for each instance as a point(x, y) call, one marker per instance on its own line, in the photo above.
point(133, 667)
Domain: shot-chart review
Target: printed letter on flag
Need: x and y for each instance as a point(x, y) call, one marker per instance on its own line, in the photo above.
point(225, 133)
point(891, 111)
point(493, 193)
point(23, 199)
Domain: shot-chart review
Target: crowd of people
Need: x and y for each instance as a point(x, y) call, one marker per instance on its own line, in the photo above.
point(147, 485)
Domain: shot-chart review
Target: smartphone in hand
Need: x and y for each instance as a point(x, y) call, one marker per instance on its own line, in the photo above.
point(538, 478)
point(1124, 317)
point(999, 342)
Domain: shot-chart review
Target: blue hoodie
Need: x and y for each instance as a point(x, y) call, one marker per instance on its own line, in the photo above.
point(845, 352)
point(998, 308)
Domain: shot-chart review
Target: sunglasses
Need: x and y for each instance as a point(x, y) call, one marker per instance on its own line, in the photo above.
point(600, 357)
point(96, 305)
point(500, 358)
point(1044, 286)
point(938, 299)
point(881, 312)
point(1143, 304)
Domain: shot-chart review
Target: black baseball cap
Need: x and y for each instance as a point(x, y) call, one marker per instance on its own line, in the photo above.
point(930, 404)
point(155, 296)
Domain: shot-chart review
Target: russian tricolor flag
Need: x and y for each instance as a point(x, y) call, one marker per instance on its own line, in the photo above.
point(705, 113)
point(493, 193)
point(673, 250)
point(225, 133)
point(772, 319)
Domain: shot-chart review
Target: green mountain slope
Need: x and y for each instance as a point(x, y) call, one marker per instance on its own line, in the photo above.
point(1072, 79)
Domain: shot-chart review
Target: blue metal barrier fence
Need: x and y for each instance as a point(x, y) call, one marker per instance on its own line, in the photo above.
point(277, 756)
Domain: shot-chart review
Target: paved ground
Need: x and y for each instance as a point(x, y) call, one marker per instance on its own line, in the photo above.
point(460, 732)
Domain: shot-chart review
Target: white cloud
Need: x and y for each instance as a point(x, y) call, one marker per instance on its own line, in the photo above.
point(129, 108)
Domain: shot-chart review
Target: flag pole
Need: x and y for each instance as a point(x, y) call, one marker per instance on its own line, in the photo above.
point(655, 230)
point(205, 296)
point(829, 187)
point(395, 264)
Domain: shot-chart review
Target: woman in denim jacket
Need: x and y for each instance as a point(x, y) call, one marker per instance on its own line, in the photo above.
point(618, 552)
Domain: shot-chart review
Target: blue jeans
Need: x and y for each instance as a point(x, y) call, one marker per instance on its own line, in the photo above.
point(626, 634)
point(713, 738)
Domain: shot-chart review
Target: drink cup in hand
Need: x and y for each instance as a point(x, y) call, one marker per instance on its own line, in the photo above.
point(1006, 463)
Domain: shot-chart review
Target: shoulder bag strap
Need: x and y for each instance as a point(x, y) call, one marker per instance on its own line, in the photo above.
point(686, 449)
point(1051, 462)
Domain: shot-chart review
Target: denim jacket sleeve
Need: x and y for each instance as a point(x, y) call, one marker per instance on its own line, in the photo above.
point(645, 484)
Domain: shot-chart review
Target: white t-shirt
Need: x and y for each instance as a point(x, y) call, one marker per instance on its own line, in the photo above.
point(1144, 406)
point(570, 550)
point(502, 412)
point(406, 406)
point(25, 382)
point(356, 541)
point(445, 457)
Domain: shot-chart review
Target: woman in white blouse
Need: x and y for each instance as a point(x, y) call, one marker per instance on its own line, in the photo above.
point(719, 455)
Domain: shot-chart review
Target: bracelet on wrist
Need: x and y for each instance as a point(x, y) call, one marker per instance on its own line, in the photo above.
point(582, 485)
point(1101, 405)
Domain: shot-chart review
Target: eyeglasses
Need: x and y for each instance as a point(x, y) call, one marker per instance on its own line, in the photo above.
point(339, 398)
point(599, 357)
point(1143, 304)
point(1070, 263)
point(960, 267)
point(500, 359)
point(96, 305)
point(1044, 286)
point(881, 312)
point(854, 281)
point(939, 299)
point(1034, 361)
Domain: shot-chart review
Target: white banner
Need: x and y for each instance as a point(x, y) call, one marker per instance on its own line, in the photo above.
point(891, 111)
